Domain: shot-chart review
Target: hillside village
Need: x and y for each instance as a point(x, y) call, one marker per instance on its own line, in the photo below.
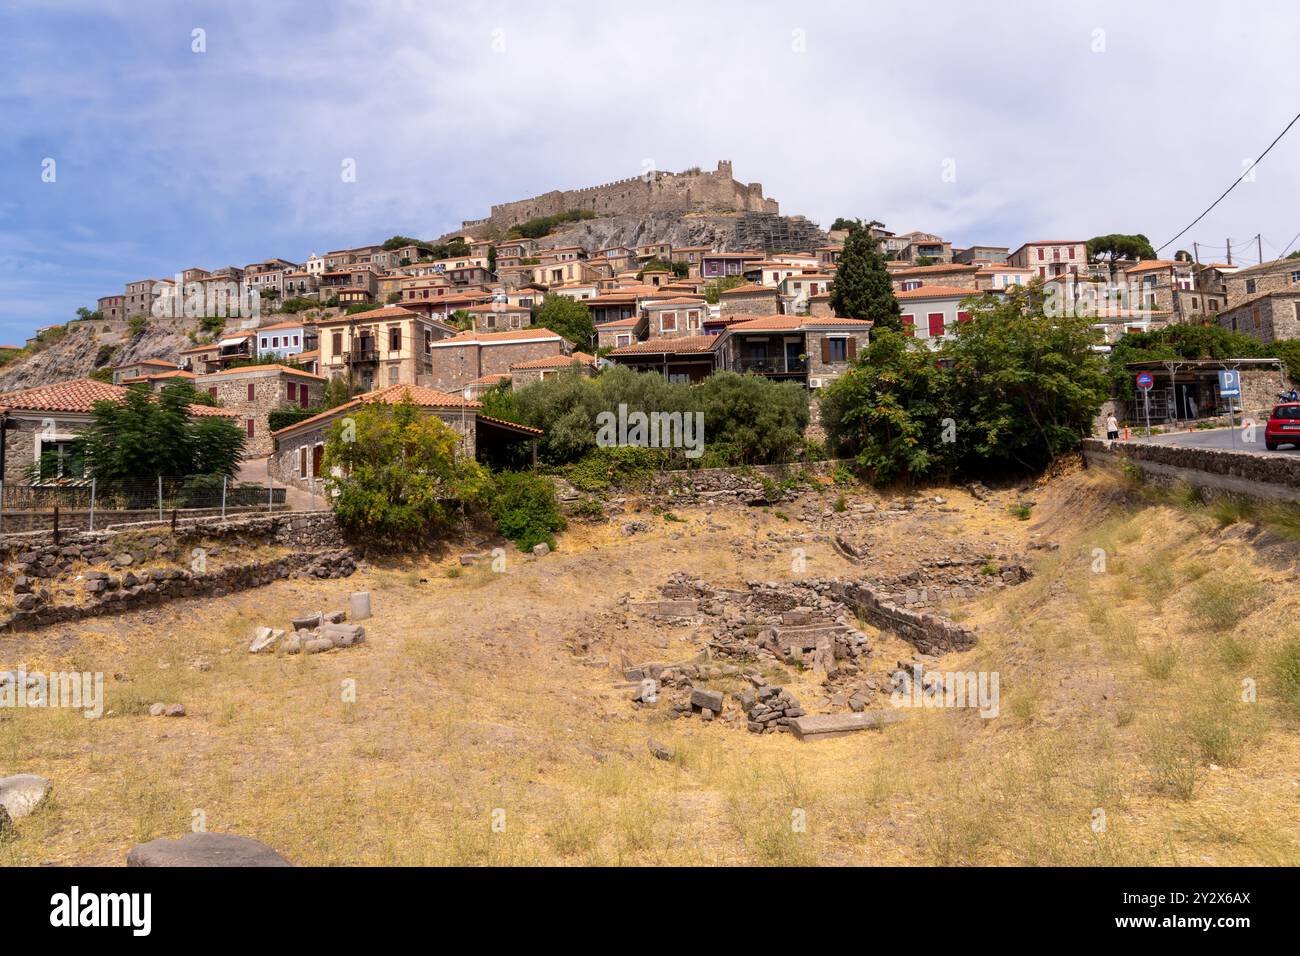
point(456, 317)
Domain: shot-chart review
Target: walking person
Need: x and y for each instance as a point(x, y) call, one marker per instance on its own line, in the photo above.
point(1112, 427)
point(1191, 407)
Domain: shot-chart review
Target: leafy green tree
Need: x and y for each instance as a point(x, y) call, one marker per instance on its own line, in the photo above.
point(713, 290)
point(396, 476)
point(1178, 342)
point(145, 435)
point(1028, 386)
point(86, 314)
point(568, 317)
point(337, 391)
point(842, 224)
point(1118, 247)
point(861, 289)
point(887, 412)
point(525, 509)
point(750, 420)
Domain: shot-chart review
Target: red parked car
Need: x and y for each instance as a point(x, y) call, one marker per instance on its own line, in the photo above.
point(1283, 427)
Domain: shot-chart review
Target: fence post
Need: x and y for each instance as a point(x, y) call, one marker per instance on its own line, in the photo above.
point(160, 517)
point(2, 495)
point(92, 504)
point(56, 522)
point(270, 495)
point(223, 497)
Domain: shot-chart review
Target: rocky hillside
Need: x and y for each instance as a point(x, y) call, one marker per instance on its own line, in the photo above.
point(725, 231)
point(86, 346)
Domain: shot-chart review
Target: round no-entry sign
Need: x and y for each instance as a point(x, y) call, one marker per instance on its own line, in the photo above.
point(1145, 381)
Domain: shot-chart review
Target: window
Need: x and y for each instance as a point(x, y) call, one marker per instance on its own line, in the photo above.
point(837, 350)
point(668, 322)
point(295, 340)
point(338, 342)
point(909, 325)
point(1040, 255)
point(293, 391)
point(212, 391)
point(60, 459)
point(392, 375)
point(395, 339)
point(317, 454)
point(936, 324)
point(625, 339)
point(1254, 315)
point(911, 284)
point(302, 461)
point(275, 342)
point(692, 320)
point(250, 391)
point(963, 316)
point(263, 342)
point(248, 427)
point(1250, 286)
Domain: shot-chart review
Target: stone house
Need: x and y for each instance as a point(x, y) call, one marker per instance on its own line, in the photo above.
point(1000, 277)
point(157, 381)
point(299, 450)
point(981, 255)
point(828, 257)
point(39, 427)
point(941, 274)
point(720, 265)
point(140, 368)
point(1051, 257)
point(813, 350)
point(499, 316)
point(925, 246)
point(689, 359)
point(1268, 316)
point(142, 294)
point(387, 346)
point(525, 373)
point(749, 299)
point(1280, 275)
point(112, 307)
point(462, 358)
point(252, 392)
point(620, 332)
point(679, 316)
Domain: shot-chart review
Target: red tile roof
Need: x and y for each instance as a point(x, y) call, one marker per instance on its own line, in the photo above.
point(685, 344)
point(78, 397)
point(555, 361)
point(390, 395)
point(936, 292)
point(797, 323)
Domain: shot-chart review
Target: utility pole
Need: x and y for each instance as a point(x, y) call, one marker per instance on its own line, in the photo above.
point(1259, 247)
point(1196, 253)
point(1229, 252)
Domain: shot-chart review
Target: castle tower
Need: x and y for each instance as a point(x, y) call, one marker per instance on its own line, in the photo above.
point(724, 168)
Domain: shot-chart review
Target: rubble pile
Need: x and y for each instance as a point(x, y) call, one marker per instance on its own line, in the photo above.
point(315, 633)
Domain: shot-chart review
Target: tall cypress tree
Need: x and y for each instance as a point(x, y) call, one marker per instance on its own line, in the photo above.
point(861, 289)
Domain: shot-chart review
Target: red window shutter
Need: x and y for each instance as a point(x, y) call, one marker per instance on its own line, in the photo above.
point(293, 391)
point(213, 391)
point(248, 427)
point(250, 391)
point(302, 461)
point(963, 316)
point(826, 351)
point(1040, 254)
point(909, 325)
point(303, 399)
point(851, 349)
point(936, 324)
point(317, 453)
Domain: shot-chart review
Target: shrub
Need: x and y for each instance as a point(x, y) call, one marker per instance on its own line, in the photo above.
point(525, 508)
point(399, 479)
point(1220, 601)
point(623, 467)
point(136, 324)
point(288, 415)
point(1285, 673)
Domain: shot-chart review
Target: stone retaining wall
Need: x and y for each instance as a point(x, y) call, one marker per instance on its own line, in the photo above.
point(928, 632)
point(1267, 476)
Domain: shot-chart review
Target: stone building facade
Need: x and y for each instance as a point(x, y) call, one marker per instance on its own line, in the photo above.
point(459, 360)
point(1269, 316)
point(252, 392)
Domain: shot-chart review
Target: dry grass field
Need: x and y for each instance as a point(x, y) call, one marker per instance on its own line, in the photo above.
point(1120, 694)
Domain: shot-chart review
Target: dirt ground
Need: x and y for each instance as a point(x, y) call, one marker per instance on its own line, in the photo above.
point(469, 729)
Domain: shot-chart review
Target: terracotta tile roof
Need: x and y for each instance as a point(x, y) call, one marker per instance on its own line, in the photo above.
point(470, 337)
point(796, 323)
point(684, 345)
point(268, 367)
point(491, 379)
point(936, 292)
point(1147, 265)
point(390, 395)
point(280, 325)
point(514, 426)
point(749, 289)
point(556, 361)
point(497, 307)
point(387, 312)
point(175, 373)
point(620, 324)
point(677, 300)
point(78, 397)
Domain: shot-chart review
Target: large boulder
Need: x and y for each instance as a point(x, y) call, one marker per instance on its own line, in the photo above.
point(22, 794)
point(205, 849)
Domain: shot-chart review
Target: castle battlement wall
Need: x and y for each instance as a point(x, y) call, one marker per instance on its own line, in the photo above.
point(694, 190)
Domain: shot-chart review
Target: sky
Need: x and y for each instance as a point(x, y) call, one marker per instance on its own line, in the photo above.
point(134, 146)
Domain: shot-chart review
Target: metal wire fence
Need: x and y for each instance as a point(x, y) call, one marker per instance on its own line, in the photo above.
point(87, 503)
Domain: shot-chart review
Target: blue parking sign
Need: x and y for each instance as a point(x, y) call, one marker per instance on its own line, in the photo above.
point(1229, 383)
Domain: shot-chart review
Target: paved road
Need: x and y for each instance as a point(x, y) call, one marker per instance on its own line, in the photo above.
point(1220, 438)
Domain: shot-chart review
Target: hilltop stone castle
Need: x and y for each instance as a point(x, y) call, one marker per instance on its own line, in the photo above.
point(656, 191)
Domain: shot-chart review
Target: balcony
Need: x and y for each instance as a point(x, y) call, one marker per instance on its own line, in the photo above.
point(773, 365)
point(361, 355)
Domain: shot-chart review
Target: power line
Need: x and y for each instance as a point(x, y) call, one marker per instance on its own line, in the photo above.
point(1289, 245)
point(1243, 175)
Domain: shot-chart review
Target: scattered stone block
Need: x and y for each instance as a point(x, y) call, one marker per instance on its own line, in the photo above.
point(541, 550)
point(824, 726)
point(343, 635)
point(704, 698)
point(23, 794)
point(265, 640)
point(307, 622)
point(660, 751)
point(317, 645)
point(175, 710)
point(359, 605)
point(205, 849)
point(157, 710)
